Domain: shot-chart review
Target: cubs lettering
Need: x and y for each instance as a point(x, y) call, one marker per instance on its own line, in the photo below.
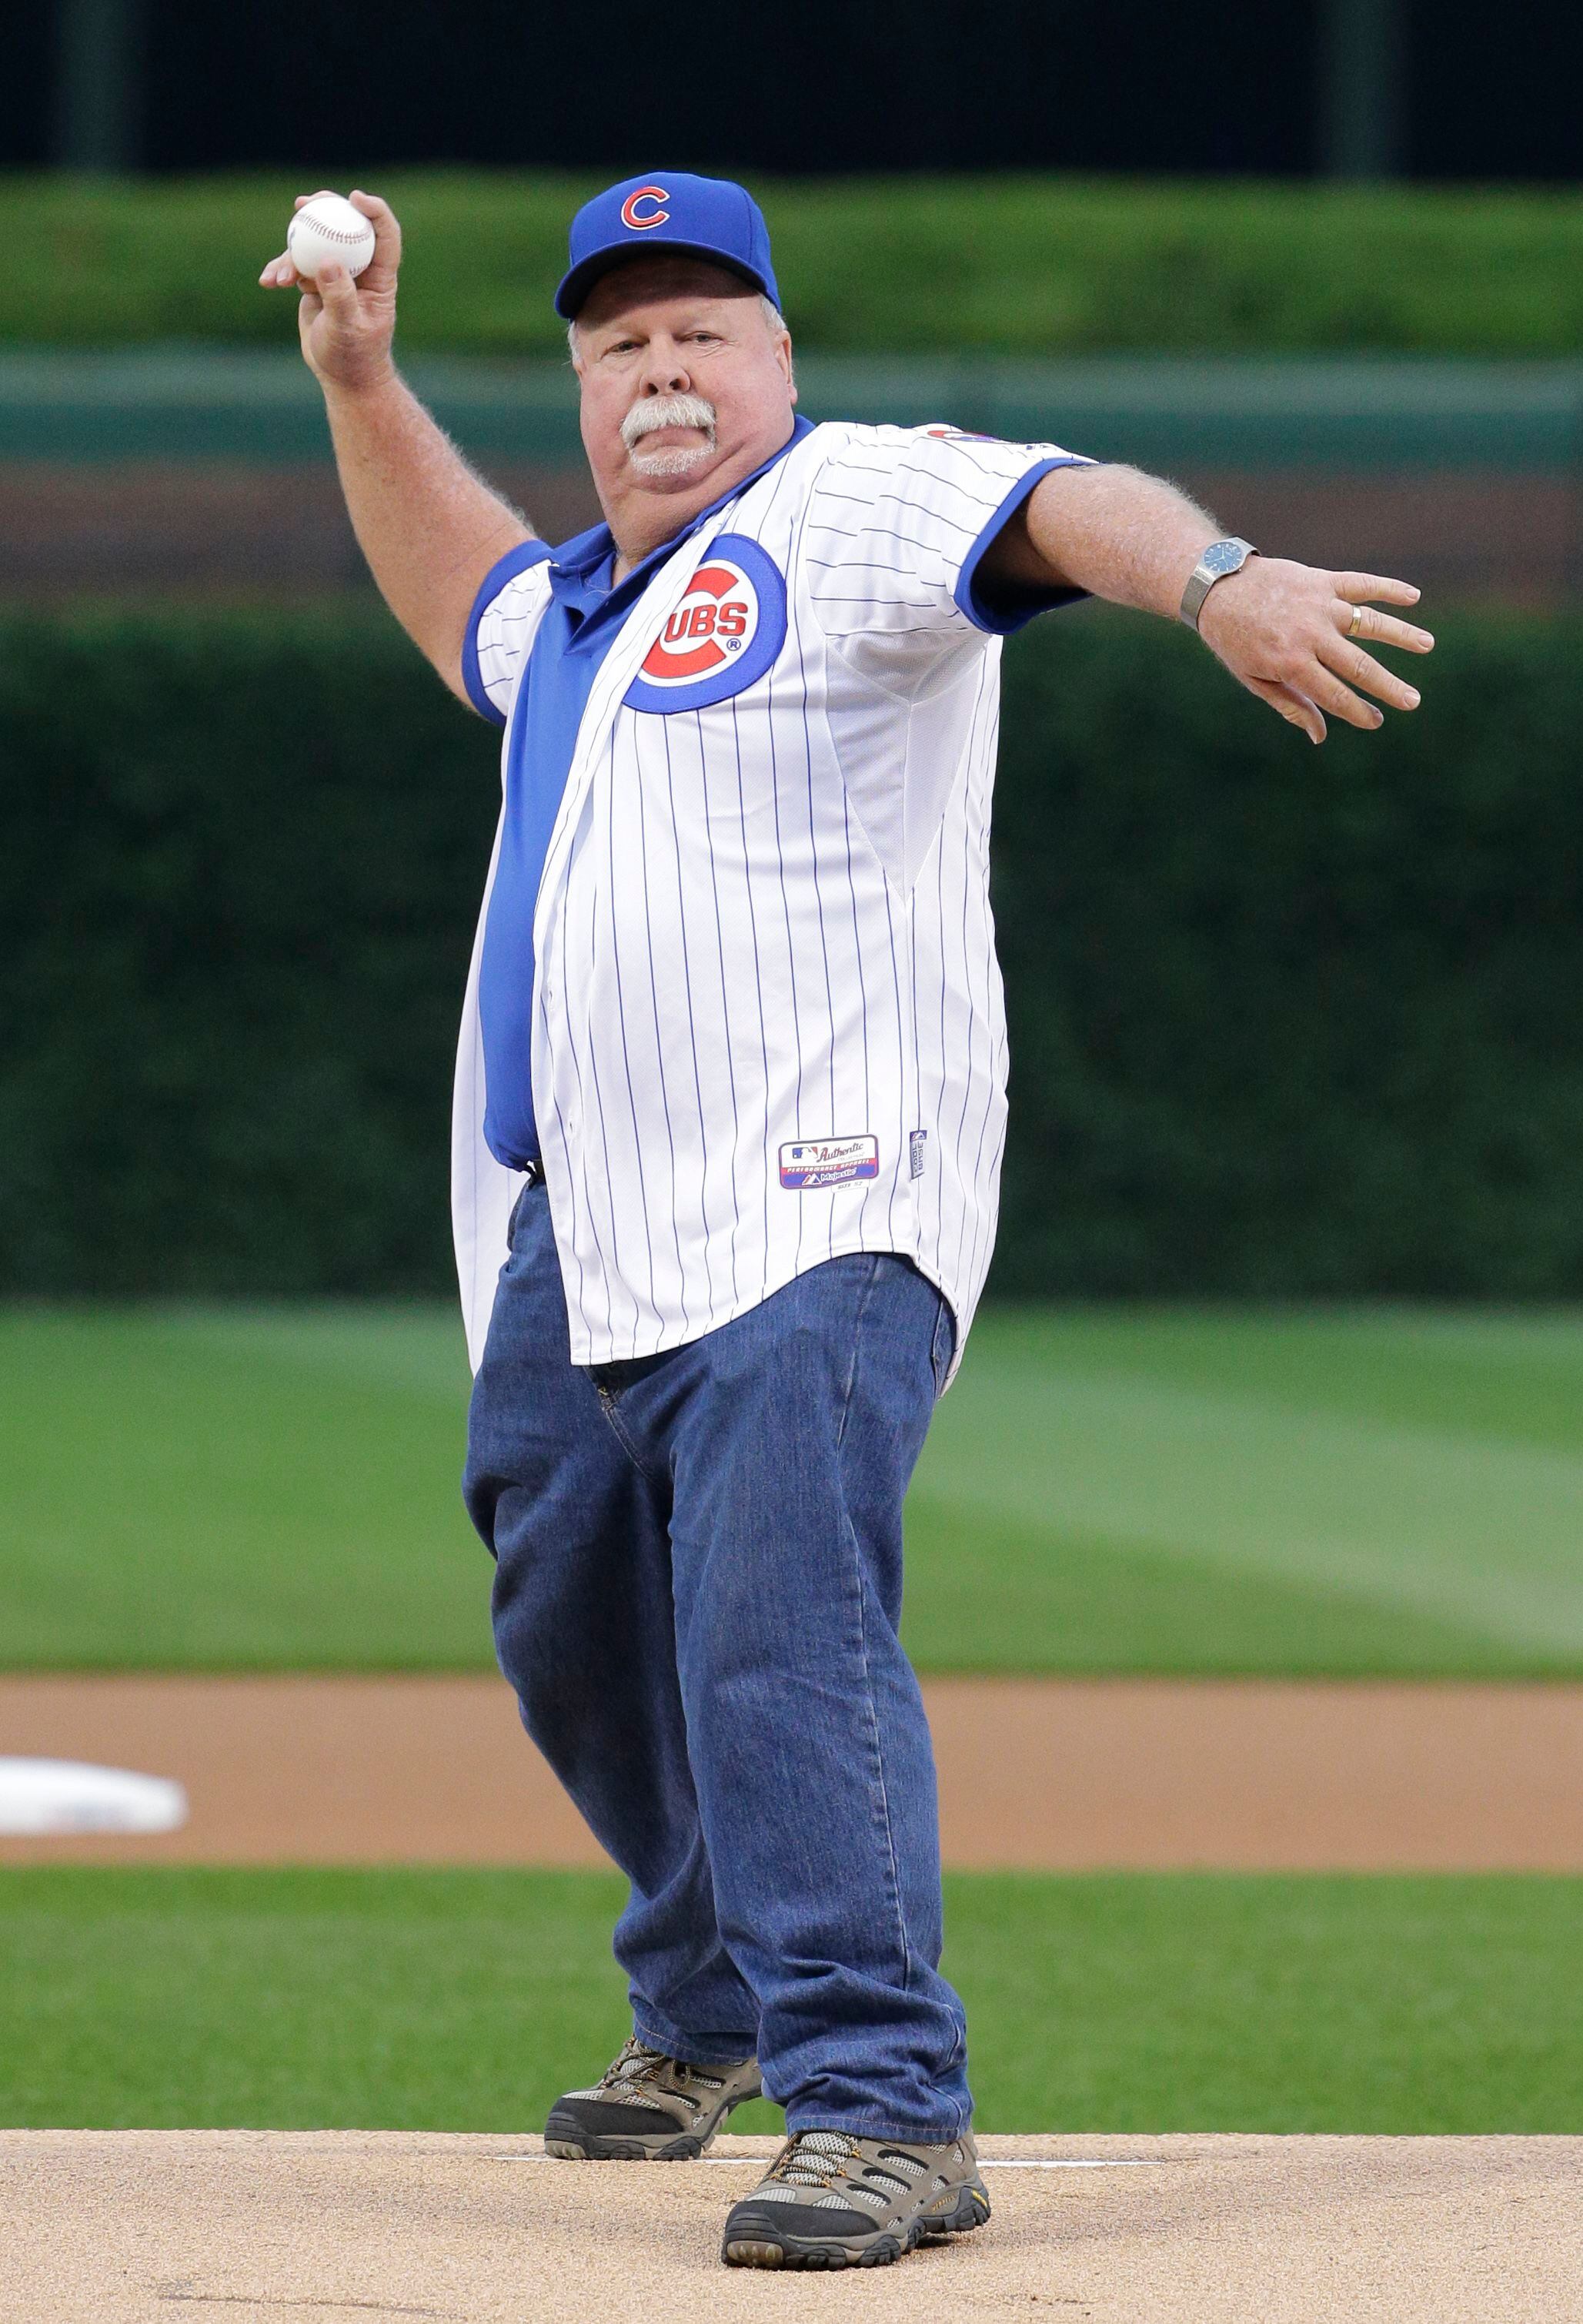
point(701, 633)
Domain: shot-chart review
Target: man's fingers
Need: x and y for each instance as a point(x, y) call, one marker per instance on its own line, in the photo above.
point(1367, 624)
point(337, 291)
point(1339, 700)
point(1304, 633)
point(1359, 669)
point(380, 273)
point(1294, 708)
point(1357, 587)
point(296, 205)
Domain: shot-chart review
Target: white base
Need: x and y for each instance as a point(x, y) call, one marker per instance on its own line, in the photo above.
point(41, 1796)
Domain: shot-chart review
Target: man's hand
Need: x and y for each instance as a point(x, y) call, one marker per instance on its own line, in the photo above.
point(346, 322)
point(1290, 633)
point(1295, 636)
point(429, 528)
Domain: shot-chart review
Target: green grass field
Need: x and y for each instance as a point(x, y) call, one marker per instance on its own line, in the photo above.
point(1024, 266)
point(465, 2000)
point(1122, 1488)
point(1105, 1489)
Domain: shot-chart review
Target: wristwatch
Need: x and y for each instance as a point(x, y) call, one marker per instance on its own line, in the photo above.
point(1218, 559)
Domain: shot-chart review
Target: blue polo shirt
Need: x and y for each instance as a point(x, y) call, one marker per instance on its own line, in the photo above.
point(581, 623)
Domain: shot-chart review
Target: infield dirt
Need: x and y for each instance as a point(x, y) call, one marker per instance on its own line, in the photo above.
point(1044, 1775)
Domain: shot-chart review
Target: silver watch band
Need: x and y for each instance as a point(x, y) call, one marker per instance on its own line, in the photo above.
point(1219, 560)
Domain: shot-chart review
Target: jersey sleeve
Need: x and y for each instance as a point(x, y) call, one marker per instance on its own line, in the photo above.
point(899, 522)
point(501, 627)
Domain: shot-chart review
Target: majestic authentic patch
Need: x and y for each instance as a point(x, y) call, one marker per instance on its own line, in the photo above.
point(828, 1162)
point(723, 634)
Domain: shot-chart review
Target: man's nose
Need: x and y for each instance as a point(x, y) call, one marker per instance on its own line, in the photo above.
point(664, 370)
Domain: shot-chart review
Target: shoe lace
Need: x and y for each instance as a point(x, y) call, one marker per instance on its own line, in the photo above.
point(815, 2158)
point(634, 2062)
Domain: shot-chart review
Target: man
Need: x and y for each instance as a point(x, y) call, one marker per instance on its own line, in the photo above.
point(730, 1105)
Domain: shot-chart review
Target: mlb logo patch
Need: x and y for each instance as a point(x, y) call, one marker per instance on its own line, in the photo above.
point(815, 1162)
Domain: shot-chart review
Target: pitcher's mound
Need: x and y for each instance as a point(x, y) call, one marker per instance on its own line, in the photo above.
point(132, 2225)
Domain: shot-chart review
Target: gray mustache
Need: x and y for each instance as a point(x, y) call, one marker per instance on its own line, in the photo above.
point(667, 411)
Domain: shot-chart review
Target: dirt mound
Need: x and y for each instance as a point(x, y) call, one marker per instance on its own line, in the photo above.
point(121, 2226)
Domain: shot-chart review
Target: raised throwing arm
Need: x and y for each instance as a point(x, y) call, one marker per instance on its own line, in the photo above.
point(429, 528)
point(1292, 634)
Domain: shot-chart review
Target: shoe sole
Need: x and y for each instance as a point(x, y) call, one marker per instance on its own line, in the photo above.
point(587, 2148)
point(566, 2138)
point(766, 2246)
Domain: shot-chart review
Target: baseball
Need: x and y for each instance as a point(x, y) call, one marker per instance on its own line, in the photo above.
point(329, 227)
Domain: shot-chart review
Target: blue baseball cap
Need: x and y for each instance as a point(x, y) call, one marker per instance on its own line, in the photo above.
point(669, 209)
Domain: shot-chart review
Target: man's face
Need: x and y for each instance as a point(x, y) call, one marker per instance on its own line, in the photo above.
point(684, 389)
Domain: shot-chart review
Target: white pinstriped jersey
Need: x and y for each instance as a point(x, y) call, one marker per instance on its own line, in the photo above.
point(768, 1025)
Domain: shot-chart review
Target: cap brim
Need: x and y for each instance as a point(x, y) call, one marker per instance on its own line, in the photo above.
point(578, 284)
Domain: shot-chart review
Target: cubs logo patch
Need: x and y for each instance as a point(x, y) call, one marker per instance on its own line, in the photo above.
point(720, 636)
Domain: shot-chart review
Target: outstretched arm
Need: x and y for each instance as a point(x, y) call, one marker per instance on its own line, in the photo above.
point(429, 528)
point(1292, 634)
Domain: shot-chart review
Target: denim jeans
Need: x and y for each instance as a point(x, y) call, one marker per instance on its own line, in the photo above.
point(696, 1598)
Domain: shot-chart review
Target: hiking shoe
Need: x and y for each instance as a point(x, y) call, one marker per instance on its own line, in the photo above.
point(831, 2200)
point(647, 2107)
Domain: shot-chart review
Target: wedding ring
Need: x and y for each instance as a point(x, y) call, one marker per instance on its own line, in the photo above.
point(1355, 626)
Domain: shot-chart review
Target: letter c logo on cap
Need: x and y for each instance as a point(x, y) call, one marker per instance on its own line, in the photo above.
point(630, 215)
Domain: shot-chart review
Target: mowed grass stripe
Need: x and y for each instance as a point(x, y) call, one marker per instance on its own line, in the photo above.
point(234, 1488)
point(1473, 1531)
point(988, 1596)
point(466, 2001)
point(1183, 1490)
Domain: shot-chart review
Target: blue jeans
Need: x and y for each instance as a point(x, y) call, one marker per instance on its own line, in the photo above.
point(696, 1598)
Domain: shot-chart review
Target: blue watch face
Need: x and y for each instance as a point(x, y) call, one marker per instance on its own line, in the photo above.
point(1224, 556)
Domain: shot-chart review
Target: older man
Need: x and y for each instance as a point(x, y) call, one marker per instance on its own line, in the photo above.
point(731, 1106)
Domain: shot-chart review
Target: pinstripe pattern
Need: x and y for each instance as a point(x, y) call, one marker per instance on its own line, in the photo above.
point(767, 920)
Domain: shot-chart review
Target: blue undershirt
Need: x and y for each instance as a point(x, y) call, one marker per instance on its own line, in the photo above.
point(580, 624)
